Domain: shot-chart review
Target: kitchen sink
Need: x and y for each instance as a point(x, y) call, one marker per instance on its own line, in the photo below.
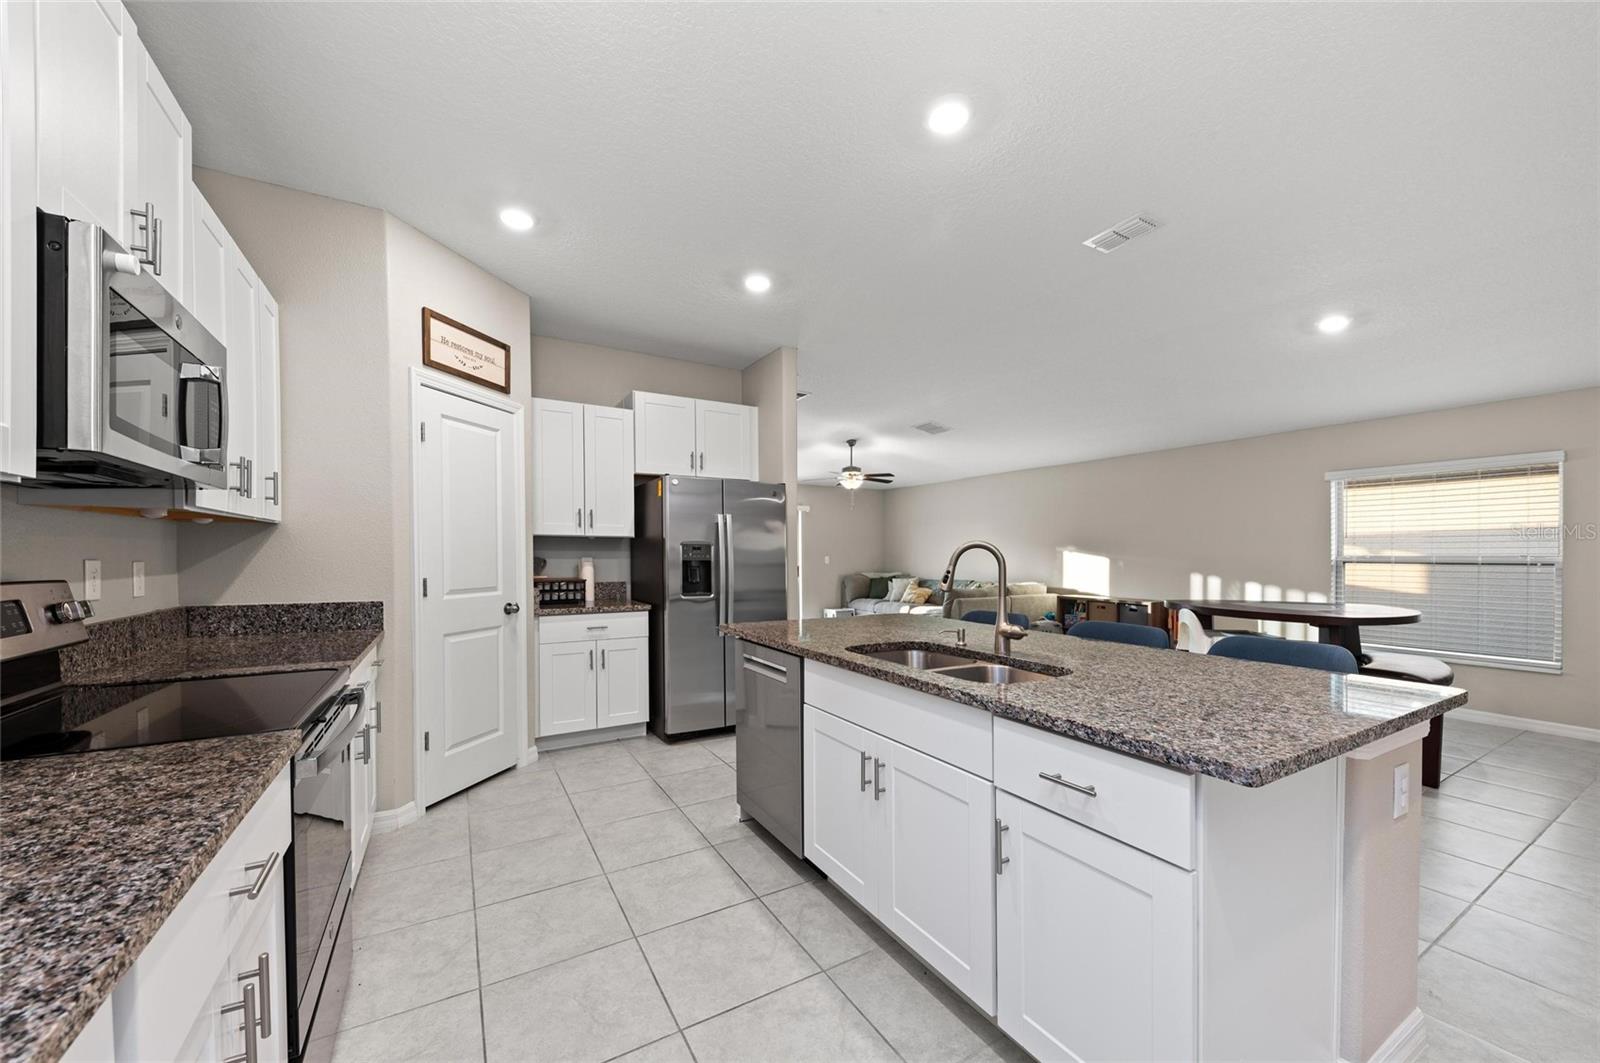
point(919, 658)
point(970, 667)
point(993, 674)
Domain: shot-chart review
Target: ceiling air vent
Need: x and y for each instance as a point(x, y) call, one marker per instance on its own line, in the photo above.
point(933, 428)
point(1121, 233)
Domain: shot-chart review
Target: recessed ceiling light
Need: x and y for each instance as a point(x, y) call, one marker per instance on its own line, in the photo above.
point(757, 283)
point(516, 219)
point(1333, 324)
point(949, 116)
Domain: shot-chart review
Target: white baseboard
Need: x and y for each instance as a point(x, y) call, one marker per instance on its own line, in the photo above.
point(1523, 723)
point(589, 738)
point(1405, 1044)
point(529, 755)
point(388, 819)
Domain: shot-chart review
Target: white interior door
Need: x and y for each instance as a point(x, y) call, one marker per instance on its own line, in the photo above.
point(471, 650)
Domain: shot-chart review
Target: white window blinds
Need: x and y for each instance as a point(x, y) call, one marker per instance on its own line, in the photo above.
point(1475, 546)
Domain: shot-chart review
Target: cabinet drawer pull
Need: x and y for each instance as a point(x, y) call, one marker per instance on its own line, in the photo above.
point(263, 976)
point(864, 782)
point(1056, 778)
point(263, 869)
point(597, 627)
point(878, 789)
point(248, 1006)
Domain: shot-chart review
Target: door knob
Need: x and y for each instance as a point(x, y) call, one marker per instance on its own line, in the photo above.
point(512, 607)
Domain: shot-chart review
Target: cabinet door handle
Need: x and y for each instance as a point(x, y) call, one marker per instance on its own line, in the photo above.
point(878, 789)
point(273, 497)
point(602, 658)
point(240, 466)
point(1056, 778)
point(591, 660)
point(865, 756)
point(702, 461)
point(591, 520)
point(691, 461)
point(377, 716)
point(1000, 859)
point(146, 250)
point(263, 869)
point(366, 744)
point(580, 518)
point(263, 976)
point(158, 242)
point(248, 1006)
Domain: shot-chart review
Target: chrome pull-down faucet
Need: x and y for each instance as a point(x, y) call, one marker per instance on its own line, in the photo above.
point(1005, 632)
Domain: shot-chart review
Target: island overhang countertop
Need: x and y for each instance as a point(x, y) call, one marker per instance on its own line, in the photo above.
point(1240, 721)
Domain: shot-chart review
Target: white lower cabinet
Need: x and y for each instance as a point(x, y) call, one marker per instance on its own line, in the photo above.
point(594, 672)
point(910, 839)
point(364, 760)
point(1095, 942)
point(218, 959)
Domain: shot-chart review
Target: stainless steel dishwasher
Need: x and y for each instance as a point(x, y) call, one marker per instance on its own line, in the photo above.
point(767, 737)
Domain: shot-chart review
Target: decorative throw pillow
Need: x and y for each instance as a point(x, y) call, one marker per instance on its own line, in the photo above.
point(915, 595)
point(897, 587)
point(878, 587)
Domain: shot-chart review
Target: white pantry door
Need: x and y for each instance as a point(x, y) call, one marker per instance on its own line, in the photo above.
point(471, 647)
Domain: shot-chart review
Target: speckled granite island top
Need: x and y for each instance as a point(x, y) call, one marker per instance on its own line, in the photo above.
point(96, 850)
point(1240, 721)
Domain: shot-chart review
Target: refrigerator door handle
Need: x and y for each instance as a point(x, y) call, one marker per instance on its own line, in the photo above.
point(727, 567)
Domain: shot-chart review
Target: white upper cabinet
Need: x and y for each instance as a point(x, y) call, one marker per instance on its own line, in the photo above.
point(267, 464)
point(676, 436)
point(160, 205)
point(89, 64)
point(725, 437)
point(208, 266)
point(18, 242)
point(664, 435)
point(557, 467)
point(582, 469)
point(608, 470)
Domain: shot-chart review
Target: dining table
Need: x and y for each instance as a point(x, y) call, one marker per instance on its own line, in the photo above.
point(1337, 623)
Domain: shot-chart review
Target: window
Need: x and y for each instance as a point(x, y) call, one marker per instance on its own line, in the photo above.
point(1474, 545)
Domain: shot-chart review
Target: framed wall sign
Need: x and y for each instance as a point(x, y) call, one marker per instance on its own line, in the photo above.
point(451, 347)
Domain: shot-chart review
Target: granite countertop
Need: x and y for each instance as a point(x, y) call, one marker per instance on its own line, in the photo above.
point(97, 850)
point(215, 656)
point(1241, 721)
point(597, 607)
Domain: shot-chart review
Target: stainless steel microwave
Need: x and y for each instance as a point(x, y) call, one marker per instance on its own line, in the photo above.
point(131, 386)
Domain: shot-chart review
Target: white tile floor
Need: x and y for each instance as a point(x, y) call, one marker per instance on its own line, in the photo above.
point(605, 903)
point(1510, 949)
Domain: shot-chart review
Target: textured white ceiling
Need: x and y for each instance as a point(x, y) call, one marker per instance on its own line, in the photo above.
point(1431, 169)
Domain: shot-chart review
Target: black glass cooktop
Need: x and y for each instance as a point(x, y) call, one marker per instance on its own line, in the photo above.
point(75, 719)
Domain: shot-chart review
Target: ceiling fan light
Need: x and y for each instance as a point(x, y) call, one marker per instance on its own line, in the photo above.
point(851, 479)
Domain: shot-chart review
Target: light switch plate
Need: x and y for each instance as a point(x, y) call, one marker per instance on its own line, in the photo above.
point(91, 581)
point(1402, 789)
point(138, 579)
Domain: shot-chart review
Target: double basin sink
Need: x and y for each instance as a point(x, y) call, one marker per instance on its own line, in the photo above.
point(957, 665)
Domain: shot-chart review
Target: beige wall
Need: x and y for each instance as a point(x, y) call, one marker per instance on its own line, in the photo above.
point(1258, 510)
point(37, 542)
point(603, 376)
point(422, 273)
point(1378, 972)
point(843, 534)
point(769, 384)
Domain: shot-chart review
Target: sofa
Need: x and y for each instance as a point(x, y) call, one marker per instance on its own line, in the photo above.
point(868, 593)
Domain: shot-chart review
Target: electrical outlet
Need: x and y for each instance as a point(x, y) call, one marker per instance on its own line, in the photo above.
point(1402, 789)
point(138, 579)
point(91, 581)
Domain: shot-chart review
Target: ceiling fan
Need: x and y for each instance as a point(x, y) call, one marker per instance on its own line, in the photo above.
point(851, 477)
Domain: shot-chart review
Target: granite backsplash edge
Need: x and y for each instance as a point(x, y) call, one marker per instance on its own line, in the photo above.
point(127, 637)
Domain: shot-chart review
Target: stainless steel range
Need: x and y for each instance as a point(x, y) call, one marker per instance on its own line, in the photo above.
point(41, 715)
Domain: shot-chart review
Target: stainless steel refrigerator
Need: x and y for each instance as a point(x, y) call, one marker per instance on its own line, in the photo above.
point(705, 552)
